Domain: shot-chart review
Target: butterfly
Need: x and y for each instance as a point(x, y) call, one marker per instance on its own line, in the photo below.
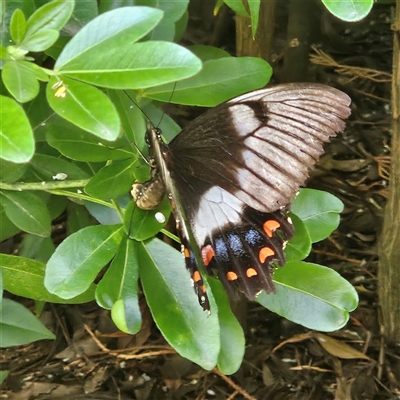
point(231, 174)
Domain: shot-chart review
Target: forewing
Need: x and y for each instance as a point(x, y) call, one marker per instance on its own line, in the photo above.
point(260, 146)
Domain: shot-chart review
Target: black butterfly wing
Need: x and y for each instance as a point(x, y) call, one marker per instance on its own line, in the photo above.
point(230, 176)
point(234, 171)
point(259, 146)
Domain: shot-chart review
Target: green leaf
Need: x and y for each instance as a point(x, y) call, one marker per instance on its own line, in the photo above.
point(193, 333)
point(41, 40)
point(138, 66)
point(47, 168)
point(78, 217)
point(16, 137)
point(36, 247)
point(349, 10)
point(237, 6)
point(79, 258)
point(3, 375)
point(85, 106)
point(314, 296)
point(206, 53)
point(7, 228)
point(51, 16)
point(319, 212)
point(114, 29)
point(10, 172)
point(254, 7)
point(20, 80)
point(17, 26)
point(6, 12)
point(232, 336)
point(27, 211)
point(131, 115)
point(299, 247)
point(84, 12)
point(19, 326)
point(118, 290)
point(218, 81)
point(173, 10)
point(25, 277)
point(80, 145)
point(112, 181)
point(103, 214)
point(141, 225)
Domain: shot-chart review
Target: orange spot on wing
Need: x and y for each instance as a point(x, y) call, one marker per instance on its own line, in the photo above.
point(186, 252)
point(207, 254)
point(231, 276)
point(196, 276)
point(265, 252)
point(270, 226)
point(251, 272)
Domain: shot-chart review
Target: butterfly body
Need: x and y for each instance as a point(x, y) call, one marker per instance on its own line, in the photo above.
point(231, 174)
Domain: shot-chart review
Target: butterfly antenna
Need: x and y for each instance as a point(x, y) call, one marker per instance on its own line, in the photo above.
point(169, 101)
point(148, 119)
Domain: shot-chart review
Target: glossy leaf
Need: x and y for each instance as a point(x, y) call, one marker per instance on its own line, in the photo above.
point(41, 40)
point(314, 296)
point(232, 336)
point(84, 12)
point(25, 277)
point(104, 215)
point(17, 26)
point(85, 106)
point(349, 10)
point(36, 247)
point(80, 145)
point(10, 172)
point(19, 326)
point(140, 65)
point(237, 6)
point(141, 225)
point(8, 9)
point(20, 80)
point(26, 211)
point(206, 53)
point(51, 16)
point(118, 289)
point(254, 7)
point(78, 217)
point(16, 136)
point(79, 258)
point(319, 212)
point(48, 167)
point(299, 247)
point(112, 180)
point(166, 284)
point(117, 29)
point(218, 81)
point(131, 115)
point(7, 228)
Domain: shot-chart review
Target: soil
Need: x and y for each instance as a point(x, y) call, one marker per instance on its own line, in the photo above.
point(90, 359)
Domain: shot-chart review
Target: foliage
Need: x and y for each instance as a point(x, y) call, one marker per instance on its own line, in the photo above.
point(66, 147)
point(346, 10)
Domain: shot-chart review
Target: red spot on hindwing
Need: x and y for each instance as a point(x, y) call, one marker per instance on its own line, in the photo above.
point(265, 252)
point(270, 226)
point(186, 252)
point(207, 254)
point(251, 272)
point(196, 276)
point(231, 276)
